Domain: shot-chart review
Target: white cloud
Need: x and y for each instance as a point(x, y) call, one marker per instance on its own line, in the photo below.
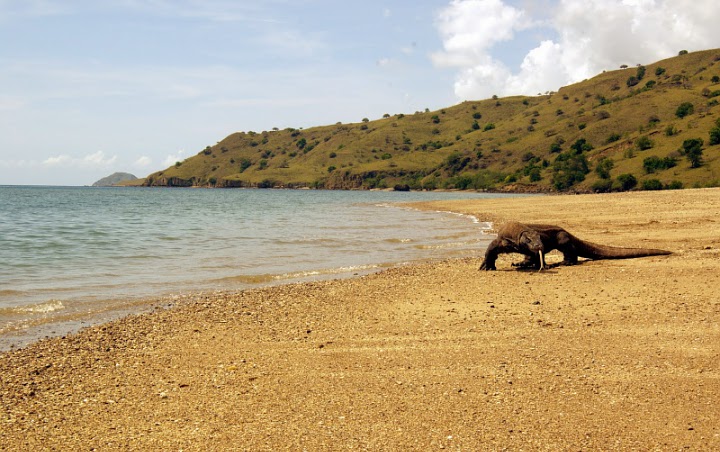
point(143, 162)
point(382, 62)
point(98, 159)
point(591, 36)
point(91, 161)
point(171, 159)
point(60, 160)
point(16, 164)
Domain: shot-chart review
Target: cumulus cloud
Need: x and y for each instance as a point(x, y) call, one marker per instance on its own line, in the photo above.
point(90, 161)
point(588, 36)
point(171, 159)
point(143, 162)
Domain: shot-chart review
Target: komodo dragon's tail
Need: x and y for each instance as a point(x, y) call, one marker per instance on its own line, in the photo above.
point(594, 251)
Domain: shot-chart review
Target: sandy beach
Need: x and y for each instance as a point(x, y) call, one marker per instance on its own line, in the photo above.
point(611, 355)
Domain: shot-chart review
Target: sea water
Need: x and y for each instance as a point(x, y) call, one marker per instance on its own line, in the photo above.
point(73, 256)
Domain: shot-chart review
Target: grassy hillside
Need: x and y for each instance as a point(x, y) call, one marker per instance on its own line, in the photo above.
point(598, 135)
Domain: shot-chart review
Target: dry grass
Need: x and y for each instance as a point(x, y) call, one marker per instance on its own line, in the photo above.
point(522, 125)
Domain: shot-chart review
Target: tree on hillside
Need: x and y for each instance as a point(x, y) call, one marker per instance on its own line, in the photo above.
point(655, 163)
point(640, 72)
point(684, 109)
point(715, 134)
point(692, 149)
point(569, 168)
point(626, 182)
point(603, 168)
point(581, 145)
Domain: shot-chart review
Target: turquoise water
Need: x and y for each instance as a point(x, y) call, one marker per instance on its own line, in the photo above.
point(73, 256)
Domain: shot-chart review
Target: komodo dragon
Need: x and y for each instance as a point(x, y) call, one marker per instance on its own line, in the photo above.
point(536, 240)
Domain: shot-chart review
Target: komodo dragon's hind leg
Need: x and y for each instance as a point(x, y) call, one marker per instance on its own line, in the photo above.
point(566, 247)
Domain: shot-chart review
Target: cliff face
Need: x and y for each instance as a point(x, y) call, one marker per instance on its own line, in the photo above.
point(114, 179)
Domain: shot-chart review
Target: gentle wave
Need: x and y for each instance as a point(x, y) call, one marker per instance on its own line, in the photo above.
point(267, 278)
point(332, 271)
point(323, 241)
point(443, 246)
point(10, 293)
point(473, 218)
point(39, 308)
point(398, 240)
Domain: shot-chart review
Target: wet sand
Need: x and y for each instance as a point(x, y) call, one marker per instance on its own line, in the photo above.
point(618, 355)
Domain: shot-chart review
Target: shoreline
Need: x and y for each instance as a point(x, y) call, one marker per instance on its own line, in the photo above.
point(608, 354)
point(126, 267)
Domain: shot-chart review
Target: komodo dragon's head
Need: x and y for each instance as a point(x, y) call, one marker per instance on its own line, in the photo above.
point(530, 239)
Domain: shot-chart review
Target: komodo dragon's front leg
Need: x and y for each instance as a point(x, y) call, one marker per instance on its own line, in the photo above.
point(496, 247)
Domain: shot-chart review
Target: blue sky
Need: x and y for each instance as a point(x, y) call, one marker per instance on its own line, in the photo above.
point(92, 87)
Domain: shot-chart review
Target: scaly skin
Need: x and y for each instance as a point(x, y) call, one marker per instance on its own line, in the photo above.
point(536, 240)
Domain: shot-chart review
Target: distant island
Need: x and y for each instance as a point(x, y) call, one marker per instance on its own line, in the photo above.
point(114, 179)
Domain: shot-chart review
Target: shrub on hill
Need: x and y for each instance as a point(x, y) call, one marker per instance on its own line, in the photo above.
point(603, 168)
point(671, 130)
point(581, 145)
point(456, 162)
point(556, 147)
point(715, 134)
point(652, 184)
point(684, 109)
point(640, 72)
point(653, 163)
point(613, 138)
point(693, 150)
point(602, 186)
point(569, 169)
point(535, 174)
point(644, 143)
point(626, 182)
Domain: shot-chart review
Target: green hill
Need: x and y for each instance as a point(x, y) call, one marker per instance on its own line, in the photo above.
point(605, 133)
point(114, 179)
